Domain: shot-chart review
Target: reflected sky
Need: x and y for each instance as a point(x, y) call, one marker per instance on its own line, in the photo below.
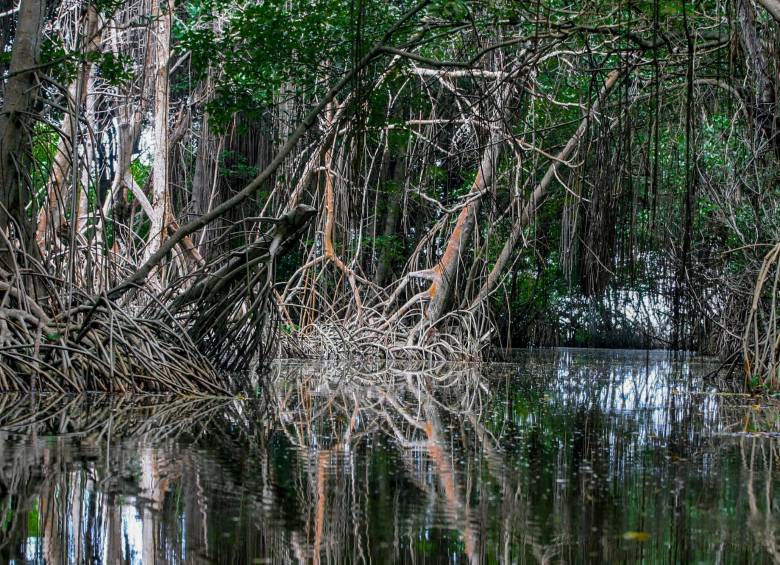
point(575, 456)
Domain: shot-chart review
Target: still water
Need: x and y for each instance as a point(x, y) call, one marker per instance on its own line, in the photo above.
point(566, 456)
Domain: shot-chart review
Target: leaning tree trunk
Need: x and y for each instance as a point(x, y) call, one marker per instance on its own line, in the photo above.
point(19, 94)
point(445, 273)
point(540, 192)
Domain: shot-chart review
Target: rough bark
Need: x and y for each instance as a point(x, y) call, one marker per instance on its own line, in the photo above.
point(18, 97)
point(160, 195)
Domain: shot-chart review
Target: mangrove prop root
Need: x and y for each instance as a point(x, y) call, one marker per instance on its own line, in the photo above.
point(187, 340)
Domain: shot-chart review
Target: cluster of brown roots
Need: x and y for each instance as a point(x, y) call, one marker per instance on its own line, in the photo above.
point(199, 335)
point(461, 335)
point(93, 345)
point(225, 308)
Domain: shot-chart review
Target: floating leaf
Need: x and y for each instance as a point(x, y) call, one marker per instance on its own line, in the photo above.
point(636, 536)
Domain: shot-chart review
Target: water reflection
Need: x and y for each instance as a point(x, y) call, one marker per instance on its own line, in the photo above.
point(569, 456)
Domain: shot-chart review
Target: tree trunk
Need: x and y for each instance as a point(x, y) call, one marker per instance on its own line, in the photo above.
point(52, 214)
point(397, 173)
point(445, 273)
point(202, 193)
point(80, 215)
point(764, 111)
point(160, 195)
point(19, 94)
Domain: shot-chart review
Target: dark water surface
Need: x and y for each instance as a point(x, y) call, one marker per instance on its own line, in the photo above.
point(569, 456)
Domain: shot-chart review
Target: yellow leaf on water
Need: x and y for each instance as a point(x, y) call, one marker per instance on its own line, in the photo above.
point(636, 536)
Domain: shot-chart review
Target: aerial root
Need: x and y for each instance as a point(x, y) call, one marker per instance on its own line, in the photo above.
point(761, 340)
point(376, 335)
point(96, 346)
point(199, 336)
